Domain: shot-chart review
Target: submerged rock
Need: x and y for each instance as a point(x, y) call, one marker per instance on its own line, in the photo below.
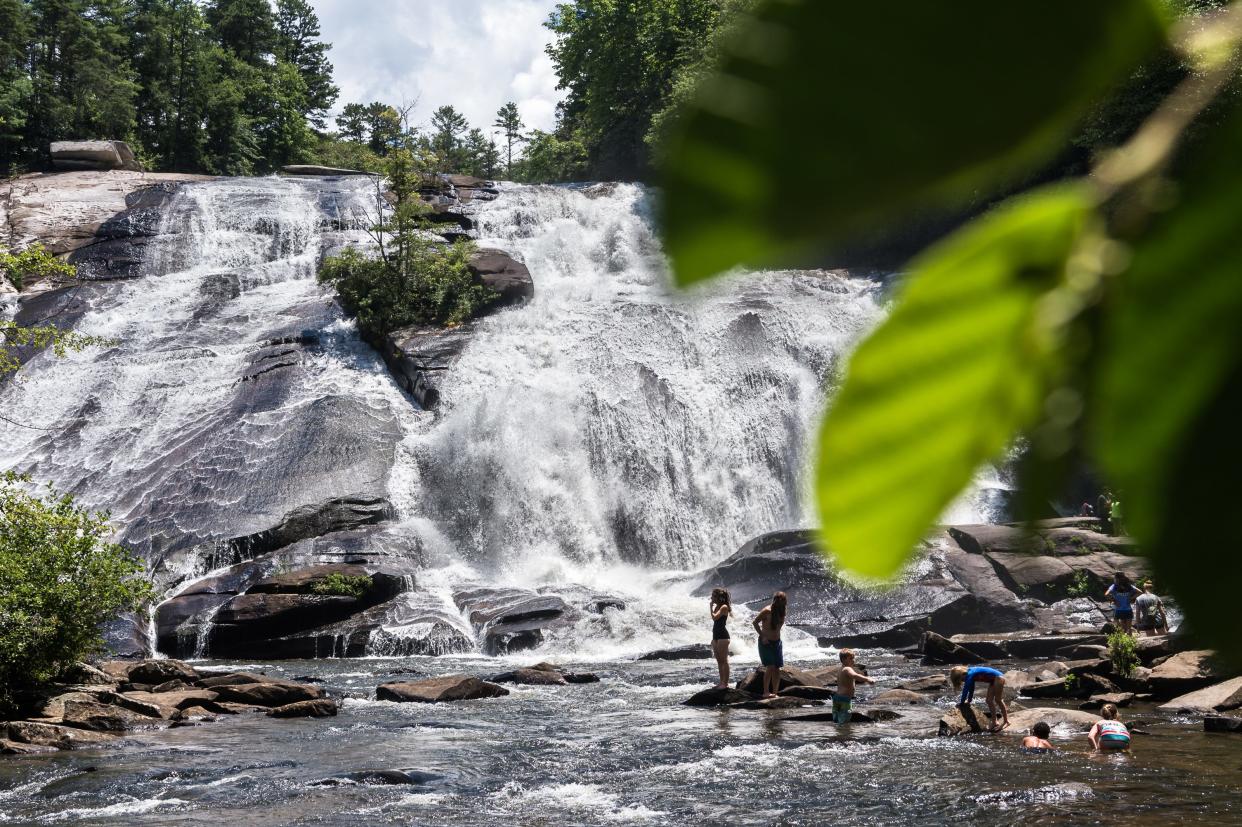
point(900, 696)
point(1222, 723)
point(380, 778)
point(437, 690)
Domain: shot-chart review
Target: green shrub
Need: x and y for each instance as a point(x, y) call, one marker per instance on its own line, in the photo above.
point(1123, 652)
point(59, 580)
point(342, 585)
point(1080, 586)
point(411, 278)
point(33, 262)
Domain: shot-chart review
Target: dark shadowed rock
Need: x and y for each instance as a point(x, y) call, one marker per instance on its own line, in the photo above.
point(840, 613)
point(507, 277)
point(1222, 723)
point(318, 708)
point(511, 620)
point(962, 720)
point(419, 357)
point(694, 651)
point(938, 649)
point(437, 690)
point(531, 677)
point(779, 702)
point(718, 696)
point(807, 693)
point(380, 778)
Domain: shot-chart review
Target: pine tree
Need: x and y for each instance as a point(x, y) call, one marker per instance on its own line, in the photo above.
point(298, 44)
point(509, 121)
point(15, 88)
point(247, 28)
point(447, 126)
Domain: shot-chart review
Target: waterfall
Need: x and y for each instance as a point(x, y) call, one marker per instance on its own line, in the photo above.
point(603, 437)
point(612, 421)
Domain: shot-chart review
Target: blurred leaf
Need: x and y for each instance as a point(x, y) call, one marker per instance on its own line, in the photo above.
point(1170, 386)
point(827, 119)
point(959, 367)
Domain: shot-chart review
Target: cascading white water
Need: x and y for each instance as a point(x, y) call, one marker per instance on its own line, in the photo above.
point(179, 429)
point(606, 435)
point(611, 421)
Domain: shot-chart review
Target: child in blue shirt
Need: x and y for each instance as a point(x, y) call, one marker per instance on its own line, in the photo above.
point(995, 679)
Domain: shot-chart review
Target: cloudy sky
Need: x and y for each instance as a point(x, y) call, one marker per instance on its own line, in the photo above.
point(473, 54)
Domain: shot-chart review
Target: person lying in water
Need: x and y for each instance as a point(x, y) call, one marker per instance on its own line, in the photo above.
point(843, 698)
point(1037, 742)
point(768, 625)
point(995, 699)
point(1109, 733)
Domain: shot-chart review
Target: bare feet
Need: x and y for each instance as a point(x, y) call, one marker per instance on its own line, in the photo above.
point(770, 695)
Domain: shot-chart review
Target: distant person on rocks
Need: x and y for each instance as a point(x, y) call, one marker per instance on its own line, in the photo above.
point(1149, 615)
point(1085, 510)
point(720, 610)
point(1104, 505)
point(843, 698)
point(768, 625)
point(1037, 742)
point(966, 678)
point(1122, 593)
point(1109, 733)
point(1116, 526)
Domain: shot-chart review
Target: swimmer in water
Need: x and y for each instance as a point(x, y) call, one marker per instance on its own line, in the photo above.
point(1037, 742)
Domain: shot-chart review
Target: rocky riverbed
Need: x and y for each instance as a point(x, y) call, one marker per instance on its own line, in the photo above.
point(625, 749)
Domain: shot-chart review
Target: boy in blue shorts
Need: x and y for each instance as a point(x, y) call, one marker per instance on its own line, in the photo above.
point(843, 698)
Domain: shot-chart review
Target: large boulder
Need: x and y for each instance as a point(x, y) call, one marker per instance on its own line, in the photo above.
point(419, 357)
point(1220, 697)
point(790, 676)
point(102, 717)
point(504, 275)
point(511, 620)
point(718, 696)
point(841, 613)
point(1184, 672)
point(274, 693)
point(54, 735)
point(437, 690)
point(93, 155)
point(938, 649)
point(318, 708)
point(156, 672)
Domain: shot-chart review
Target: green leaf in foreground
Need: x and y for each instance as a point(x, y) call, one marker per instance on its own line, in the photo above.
point(961, 365)
point(1170, 386)
point(826, 120)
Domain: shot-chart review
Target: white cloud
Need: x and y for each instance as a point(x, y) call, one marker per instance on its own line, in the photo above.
point(473, 54)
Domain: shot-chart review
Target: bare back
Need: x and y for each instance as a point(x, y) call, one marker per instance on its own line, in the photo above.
point(769, 630)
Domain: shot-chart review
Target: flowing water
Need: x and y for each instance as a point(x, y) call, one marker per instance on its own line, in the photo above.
point(607, 436)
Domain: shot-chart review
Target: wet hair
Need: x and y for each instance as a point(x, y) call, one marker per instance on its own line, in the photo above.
point(1120, 577)
point(779, 602)
point(720, 597)
point(1109, 712)
point(1041, 730)
point(846, 653)
point(957, 674)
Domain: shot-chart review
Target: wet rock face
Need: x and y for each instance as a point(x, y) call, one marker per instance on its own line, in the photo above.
point(511, 620)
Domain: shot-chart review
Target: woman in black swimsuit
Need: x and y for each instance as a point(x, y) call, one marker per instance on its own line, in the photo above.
point(720, 610)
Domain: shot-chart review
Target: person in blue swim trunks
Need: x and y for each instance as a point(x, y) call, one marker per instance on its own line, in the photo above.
point(847, 678)
point(768, 625)
point(1123, 592)
point(995, 679)
point(1109, 733)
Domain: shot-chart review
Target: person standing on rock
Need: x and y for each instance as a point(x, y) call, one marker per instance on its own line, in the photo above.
point(1149, 614)
point(1122, 593)
point(1104, 505)
point(768, 625)
point(720, 611)
point(1109, 733)
point(994, 678)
